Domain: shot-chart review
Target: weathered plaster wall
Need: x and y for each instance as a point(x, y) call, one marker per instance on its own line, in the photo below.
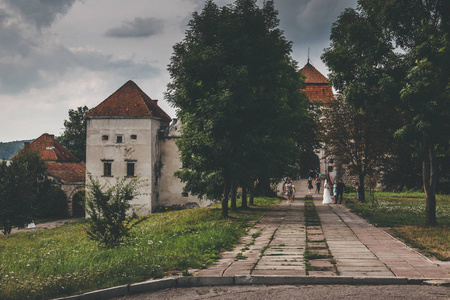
point(143, 150)
point(170, 187)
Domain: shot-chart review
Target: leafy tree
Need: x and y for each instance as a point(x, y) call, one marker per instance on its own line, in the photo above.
point(237, 91)
point(355, 138)
point(19, 188)
point(74, 135)
point(16, 198)
point(415, 80)
point(109, 211)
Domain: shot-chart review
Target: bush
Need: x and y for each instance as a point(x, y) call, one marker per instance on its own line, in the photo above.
point(52, 201)
point(109, 222)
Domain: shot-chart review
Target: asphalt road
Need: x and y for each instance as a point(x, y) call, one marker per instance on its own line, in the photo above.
point(281, 292)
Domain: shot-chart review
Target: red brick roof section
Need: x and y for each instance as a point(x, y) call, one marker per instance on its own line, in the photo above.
point(60, 162)
point(318, 88)
point(129, 101)
point(51, 150)
point(67, 172)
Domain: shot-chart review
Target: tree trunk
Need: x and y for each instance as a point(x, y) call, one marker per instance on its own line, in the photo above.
point(429, 185)
point(362, 188)
point(244, 196)
point(251, 193)
point(226, 192)
point(233, 205)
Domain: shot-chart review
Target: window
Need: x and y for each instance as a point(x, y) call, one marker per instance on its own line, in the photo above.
point(133, 137)
point(105, 137)
point(184, 194)
point(107, 169)
point(130, 169)
point(119, 139)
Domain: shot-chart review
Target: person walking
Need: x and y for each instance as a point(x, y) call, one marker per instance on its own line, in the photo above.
point(335, 191)
point(358, 190)
point(293, 193)
point(310, 184)
point(340, 191)
point(288, 190)
point(318, 184)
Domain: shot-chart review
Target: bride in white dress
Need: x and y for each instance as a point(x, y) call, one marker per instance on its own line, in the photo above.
point(326, 194)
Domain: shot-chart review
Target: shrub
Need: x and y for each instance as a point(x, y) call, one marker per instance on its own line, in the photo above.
point(111, 214)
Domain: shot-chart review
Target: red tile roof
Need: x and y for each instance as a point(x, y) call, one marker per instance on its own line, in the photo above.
point(67, 172)
point(50, 149)
point(60, 162)
point(318, 88)
point(129, 101)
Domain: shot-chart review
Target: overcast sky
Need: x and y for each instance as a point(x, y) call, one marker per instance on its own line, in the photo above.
point(60, 54)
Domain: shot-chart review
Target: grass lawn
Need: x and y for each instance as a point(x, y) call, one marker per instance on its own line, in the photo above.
point(63, 261)
point(405, 213)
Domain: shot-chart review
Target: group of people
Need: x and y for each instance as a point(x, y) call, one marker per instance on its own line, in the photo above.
point(338, 192)
point(289, 190)
point(332, 193)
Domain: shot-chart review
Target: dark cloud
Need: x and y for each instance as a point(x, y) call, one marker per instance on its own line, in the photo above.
point(309, 21)
point(41, 13)
point(42, 69)
point(29, 59)
point(137, 28)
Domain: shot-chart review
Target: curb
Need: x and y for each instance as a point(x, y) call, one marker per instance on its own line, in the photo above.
point(171, 282)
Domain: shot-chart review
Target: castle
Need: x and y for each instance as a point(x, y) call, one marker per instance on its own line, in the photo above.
point(129, 135)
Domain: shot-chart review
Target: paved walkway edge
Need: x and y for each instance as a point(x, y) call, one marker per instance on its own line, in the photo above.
point(176, 282)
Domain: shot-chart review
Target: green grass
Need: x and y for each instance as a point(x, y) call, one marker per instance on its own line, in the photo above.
point(397, 210)
point(63, 261)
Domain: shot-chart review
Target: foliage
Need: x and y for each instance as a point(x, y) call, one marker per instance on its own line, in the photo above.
point(53, 263)
point(51, 201)
point(109, 211)
point(236, 88)
point(16, 197)
point(74, 135)
point(402, 170)
point(26, 191)
point(355, 138)
point(369, 71)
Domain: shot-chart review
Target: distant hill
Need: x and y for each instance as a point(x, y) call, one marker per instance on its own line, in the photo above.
point(7, 150)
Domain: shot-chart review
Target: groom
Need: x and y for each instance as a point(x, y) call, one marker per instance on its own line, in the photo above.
point(340, 191)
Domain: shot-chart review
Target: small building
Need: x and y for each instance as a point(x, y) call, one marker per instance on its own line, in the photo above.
point(129, 135)
point(64, 168)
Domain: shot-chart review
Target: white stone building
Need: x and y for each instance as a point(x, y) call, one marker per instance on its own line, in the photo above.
point(129, 135)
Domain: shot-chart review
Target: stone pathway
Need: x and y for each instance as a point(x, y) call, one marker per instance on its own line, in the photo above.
point(276, 246)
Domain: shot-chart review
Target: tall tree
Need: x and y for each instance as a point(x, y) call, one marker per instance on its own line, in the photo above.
point(237, 91)
point(419, 28)
point(355, 138)
point(74, 135)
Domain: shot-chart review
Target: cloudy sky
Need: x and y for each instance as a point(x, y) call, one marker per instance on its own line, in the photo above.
point(60, 54)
